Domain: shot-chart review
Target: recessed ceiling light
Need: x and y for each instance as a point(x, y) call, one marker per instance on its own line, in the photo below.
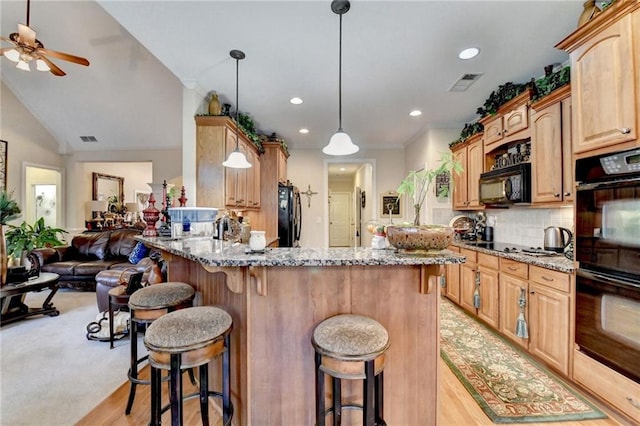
point(415, 113)
point(295, 101)
point(469, 53)
point(304, 131)
point(342, 169)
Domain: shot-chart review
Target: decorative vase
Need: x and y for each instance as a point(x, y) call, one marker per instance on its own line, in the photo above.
point(589, 11)
point(424, 238)
point(257, 241)
point(214, 106)
point(151, 215)
point(3, 257)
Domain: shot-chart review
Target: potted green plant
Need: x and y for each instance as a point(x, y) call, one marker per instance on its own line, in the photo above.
point(9, 210)
point(416, 186)
point(24, 238)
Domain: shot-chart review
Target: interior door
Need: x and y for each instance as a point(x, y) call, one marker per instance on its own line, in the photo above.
point(340, 219)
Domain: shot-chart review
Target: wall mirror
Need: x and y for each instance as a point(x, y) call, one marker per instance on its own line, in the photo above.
point(106, 186)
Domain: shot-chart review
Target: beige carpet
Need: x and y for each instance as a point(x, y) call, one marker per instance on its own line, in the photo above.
point(51, 374)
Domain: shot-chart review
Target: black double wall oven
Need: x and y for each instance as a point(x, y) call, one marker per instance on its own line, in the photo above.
point(607, 247)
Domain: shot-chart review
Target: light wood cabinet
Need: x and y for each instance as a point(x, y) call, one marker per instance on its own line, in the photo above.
point(466, 192)
point(550, 183)
point(514, 285)
point(468, 276)
point(452, 280)
point(549, 311)
point(216, 185)
point(510, 123)
point(489, 297)
point(568, 161)
point(605, 80)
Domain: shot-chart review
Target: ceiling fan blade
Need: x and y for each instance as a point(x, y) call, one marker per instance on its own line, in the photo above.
point(6, 39)
point(27, 35)
point(65, 56)
point(5, 49)
point(54, 68)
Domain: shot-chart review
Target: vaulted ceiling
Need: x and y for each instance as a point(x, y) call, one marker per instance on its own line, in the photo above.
point(397, 56)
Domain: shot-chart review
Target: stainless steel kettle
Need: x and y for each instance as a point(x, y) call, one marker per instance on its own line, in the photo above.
point(554, 238)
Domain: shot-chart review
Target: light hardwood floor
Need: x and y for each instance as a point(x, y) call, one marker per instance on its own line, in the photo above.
point(457, 408)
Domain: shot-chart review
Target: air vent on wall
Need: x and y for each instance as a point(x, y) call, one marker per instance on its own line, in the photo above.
point(88, 139)
point(464, 82)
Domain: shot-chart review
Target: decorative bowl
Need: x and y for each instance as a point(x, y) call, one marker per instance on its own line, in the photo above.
point(425, 237)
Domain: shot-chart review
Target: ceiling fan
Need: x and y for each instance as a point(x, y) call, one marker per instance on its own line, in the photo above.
point(27, 48)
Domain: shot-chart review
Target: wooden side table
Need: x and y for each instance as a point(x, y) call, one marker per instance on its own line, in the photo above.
point(11, 298)
point(118, 299)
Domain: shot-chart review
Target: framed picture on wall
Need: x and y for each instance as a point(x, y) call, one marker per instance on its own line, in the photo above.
point(3, 165)
point(389, 205)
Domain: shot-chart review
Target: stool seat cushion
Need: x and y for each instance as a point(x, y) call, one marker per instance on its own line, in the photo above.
point(350, 337)
point(188, 329)
point(164, 295)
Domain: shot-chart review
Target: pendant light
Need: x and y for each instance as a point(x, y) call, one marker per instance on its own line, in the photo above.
point(340, 143)
point(236, 159)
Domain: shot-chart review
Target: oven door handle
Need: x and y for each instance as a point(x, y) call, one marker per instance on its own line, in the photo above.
point(606, 278)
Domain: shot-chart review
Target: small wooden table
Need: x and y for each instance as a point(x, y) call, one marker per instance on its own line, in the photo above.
point(118, 298)
point(12, 298)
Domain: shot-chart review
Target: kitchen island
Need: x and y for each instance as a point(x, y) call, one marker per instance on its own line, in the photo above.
point(277, 297)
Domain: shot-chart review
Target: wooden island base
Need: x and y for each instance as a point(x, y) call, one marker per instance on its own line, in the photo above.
point(274, 311)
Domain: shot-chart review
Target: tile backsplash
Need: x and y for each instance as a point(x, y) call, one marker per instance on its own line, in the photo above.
point(524, 226)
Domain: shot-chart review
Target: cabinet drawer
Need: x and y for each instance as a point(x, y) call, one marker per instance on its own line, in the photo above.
point(611, 386)
point(472, 256)
point(489, 261)
point(553, 279)
point(512, 267)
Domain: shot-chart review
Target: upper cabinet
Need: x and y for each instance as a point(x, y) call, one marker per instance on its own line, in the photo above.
point(216, 185)
point(551, 163)
point(466, 194)
point(509, 124)
point(605, 80)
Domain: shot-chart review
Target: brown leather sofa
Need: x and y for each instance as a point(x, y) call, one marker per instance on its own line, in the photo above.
point(88, 254)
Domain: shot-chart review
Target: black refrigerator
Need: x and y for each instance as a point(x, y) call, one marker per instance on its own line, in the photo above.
point(289, 216)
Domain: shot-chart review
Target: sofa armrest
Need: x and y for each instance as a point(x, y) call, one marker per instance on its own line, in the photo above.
point(47, 255)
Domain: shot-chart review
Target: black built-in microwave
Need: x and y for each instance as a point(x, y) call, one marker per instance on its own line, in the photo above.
point(509, 185)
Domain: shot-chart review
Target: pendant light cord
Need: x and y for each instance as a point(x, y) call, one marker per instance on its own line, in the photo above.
point(340, 79)
point(237, 106)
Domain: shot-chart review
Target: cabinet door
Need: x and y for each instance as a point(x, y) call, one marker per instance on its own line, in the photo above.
point(604, 88)
point(493, 133)
point(230, 175)
point(256, 180)
point(250, 179)
point(549, 326)
point(452, 287)
point(467, 286)
point(546, 155)
point(568, 177)
point(475, 162)
point(282, 167)
point(489, 297)
point(460, 195)
point(511, 289)
point(515, 120)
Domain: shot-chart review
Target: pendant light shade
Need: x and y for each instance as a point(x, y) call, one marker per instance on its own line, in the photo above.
point(340, 143)
point(236, 159)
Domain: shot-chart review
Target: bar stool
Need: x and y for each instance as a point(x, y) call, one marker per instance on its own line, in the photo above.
point(147, 305)
point(184, 339)
point(351, 347)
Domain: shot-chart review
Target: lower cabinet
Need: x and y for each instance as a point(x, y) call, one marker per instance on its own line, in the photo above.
point(452, 281)
point(503, 292)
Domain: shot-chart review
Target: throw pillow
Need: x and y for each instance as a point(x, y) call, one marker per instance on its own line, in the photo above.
point(139, 252)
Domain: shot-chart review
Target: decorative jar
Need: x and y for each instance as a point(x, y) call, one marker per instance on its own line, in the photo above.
point(257, 241)
point(424, 237)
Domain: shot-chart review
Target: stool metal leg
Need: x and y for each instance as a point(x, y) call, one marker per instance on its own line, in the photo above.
point(319, 392)
point(380, 399)
point(176, 390)
point(337, 401)
point(133, 371)
point(227, 410)
point(369, 418)
point(204, 393)
point(156, 400)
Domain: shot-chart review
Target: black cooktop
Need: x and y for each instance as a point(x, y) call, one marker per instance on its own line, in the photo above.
point(512, 248)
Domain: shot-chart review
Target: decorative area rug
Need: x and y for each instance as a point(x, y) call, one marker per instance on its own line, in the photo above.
point(507, 384)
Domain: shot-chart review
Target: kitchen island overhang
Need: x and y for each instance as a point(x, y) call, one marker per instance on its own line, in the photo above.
point(278, 297)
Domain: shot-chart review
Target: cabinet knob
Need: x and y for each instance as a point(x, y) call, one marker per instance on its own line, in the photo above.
point(505, 131)
point(632, 402)
point(557, 195)
point(567, 194)
point(532, 292)
point(499, 134)
point(625, 130)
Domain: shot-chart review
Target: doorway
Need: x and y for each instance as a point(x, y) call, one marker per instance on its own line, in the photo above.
point(42, 195)
point(349, 185)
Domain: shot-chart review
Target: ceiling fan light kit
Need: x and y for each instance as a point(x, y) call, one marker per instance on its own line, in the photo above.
point(340, 143)
point(28, 48)
point(236, 159)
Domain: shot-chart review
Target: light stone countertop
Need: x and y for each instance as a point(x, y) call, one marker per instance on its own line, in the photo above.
point(556, 263)
point(210, 252)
